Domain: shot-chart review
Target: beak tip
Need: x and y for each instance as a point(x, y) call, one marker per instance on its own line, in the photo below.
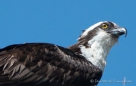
point(125, 32)
point(125, 35)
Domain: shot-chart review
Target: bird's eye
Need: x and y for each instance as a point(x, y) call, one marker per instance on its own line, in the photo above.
point(104, 26)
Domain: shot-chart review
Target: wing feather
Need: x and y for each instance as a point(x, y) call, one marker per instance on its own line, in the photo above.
point(45, 64)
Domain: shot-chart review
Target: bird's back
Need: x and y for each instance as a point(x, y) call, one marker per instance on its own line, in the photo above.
point(44, 64)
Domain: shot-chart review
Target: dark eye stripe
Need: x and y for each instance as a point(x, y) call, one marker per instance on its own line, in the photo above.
point(111, 24)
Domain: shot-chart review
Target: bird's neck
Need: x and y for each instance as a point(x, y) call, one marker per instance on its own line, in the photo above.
point(96, 51)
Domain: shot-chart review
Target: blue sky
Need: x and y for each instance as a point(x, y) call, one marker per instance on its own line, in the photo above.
point(61, 21)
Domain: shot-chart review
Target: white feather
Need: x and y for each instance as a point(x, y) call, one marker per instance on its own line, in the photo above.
point(99, 48)
point(90, 28)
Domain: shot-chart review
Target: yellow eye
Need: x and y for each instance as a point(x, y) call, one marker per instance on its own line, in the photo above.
point(104, 26)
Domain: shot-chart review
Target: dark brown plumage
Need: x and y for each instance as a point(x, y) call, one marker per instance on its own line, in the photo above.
point(43, 64)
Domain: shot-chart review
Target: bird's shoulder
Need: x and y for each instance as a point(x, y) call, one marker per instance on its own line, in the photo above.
point(42, 62)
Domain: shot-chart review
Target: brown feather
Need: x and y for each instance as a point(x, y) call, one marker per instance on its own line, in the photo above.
point(43, 64)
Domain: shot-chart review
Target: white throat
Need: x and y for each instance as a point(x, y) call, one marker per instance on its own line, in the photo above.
point(98, 49)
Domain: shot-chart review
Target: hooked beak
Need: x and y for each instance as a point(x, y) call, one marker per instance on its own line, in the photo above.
point(118, 32)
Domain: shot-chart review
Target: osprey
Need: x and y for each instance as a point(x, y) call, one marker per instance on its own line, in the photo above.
point(45, 64)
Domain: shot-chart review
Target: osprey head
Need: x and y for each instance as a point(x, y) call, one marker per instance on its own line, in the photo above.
point(96, 41)
point(102, 31)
